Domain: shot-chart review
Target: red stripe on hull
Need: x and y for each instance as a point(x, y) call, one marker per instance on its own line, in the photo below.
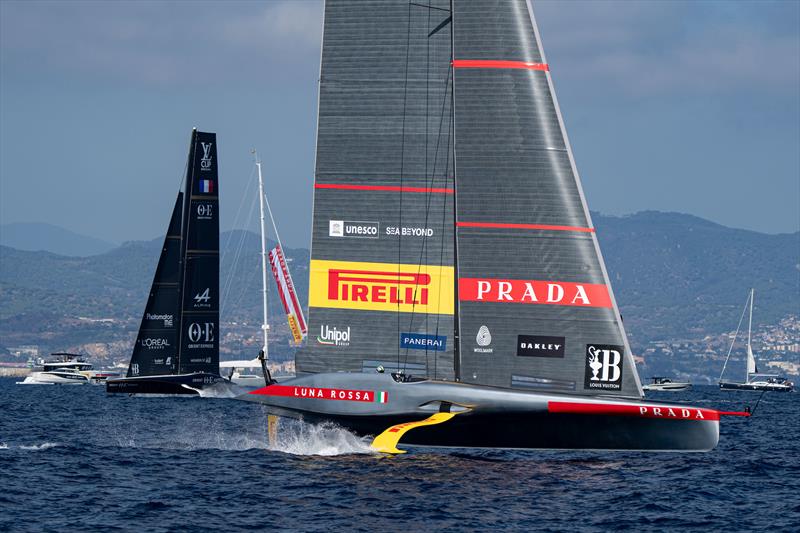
point(669, 412)
point(499, 225)
point(487, 63)
point(390, 188)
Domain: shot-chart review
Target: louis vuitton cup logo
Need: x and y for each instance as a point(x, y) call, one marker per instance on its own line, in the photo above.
point(603, 366)
point(205, 161)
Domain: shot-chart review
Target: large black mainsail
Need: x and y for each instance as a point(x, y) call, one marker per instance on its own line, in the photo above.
point(445, 188)
point(156, 348)
point(177, 347)
point(199, 337)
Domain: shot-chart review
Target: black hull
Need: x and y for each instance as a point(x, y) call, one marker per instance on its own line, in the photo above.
point(543, 431)
point(180, 384)
point(487, 417)
point(752, 387)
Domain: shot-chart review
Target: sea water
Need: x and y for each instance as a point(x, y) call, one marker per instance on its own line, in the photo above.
point(73, 458)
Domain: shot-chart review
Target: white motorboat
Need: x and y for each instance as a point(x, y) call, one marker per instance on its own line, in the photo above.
point(665, 384)
point(69, 369)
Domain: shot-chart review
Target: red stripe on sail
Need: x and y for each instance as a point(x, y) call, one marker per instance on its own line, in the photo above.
point(500, 225)
point(495, 63)
point(391, 188)
point(529, 291)
point(669, 412)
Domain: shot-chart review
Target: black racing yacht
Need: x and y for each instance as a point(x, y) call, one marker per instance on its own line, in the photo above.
point(177, 348)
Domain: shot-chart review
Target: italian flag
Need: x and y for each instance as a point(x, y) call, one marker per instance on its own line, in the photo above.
point(381, 397)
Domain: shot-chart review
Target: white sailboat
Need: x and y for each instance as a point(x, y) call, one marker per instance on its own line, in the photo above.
point(754, 380)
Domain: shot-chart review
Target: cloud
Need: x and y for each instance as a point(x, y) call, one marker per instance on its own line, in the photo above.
point(154, 42)
point(655, 48)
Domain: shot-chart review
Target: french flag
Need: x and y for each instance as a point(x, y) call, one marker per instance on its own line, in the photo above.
point(206, 186)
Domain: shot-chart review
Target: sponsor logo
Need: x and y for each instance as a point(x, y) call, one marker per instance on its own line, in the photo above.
point(201, 299)
point(603, 367)
point(346, 228)
point(201, 360)
point(319, 393)
point(646, 411)
point(484, 339)
point(201, 336)
point(540, 346)
point(409, 231)
point(154, 344)
point(205, 161)
point(381, 287)
point(533, 292)
point(419, 341)
point(135, 369)
point(332, 336)
point(166, 318)
point(205, 211)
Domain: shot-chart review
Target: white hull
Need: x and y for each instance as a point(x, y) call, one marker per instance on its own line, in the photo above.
point(666, 387)
point(55, 378)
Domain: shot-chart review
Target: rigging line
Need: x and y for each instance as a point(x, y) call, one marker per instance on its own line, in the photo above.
point(238, 214)
point(428, 199)
point(429, 7)
point(402, 162)
point(233, 265)
point(753, 411)
point(424, 248)
point(444, 222)
point(734, 338)
point(236, 257)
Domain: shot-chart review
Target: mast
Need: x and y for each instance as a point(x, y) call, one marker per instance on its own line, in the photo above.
point(264, 325)
point(750, 359)
point(456, 329)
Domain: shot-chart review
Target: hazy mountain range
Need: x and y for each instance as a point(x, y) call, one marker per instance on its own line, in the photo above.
point(674, 276)
point(37, 236)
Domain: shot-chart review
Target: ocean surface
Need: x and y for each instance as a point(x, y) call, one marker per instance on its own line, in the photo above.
point(73, 458)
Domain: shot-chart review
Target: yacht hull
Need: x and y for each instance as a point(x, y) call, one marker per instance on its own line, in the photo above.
point(172, 384)
point(756, 387)
point(487, 417)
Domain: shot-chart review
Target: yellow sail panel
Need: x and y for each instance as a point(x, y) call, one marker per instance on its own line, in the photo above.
point(382, 287)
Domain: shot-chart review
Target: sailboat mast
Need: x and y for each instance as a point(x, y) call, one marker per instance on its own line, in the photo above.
point(749, 332)
point(264, 325)
point(456, 319)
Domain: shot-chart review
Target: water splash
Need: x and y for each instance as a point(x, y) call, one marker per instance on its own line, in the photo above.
point(38, 447)
point(300, 438)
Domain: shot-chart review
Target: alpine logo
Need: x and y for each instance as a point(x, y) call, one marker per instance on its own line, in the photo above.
point(483, 339)
point(540, 346)
point(205, 161)
point(345, 228)
point(603, 367)
point(331, 336)
point(533, 292)
point(201, 298)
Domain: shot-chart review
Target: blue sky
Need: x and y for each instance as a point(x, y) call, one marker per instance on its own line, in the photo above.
point(676, 106)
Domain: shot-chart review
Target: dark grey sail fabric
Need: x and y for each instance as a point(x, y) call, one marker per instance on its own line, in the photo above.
point(156, 348)
point(199, 328)
point(382, 282)
point(536, 307)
